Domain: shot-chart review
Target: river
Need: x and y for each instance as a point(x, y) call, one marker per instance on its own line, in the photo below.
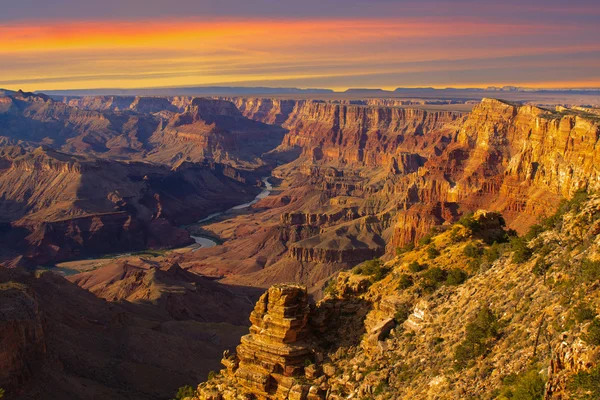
point(203, 242)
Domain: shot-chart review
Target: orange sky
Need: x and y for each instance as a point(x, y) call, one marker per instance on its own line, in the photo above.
point(307, 52)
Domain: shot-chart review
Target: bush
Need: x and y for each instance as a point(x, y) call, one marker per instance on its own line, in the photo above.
point(541, 267)
point(527, 386)
point(425, 240)
point(468, 221)
point(493, 252)
point(373, 268)
point(456, 276)
point(331, 288)
point(1, 393)
point(472, 251)
point(586, 384)
point(590, 270)
point(583, 313)
point(185, 391)
point(522, 253)
point(212, 375)
point(593, 333)
point(401, 250)
point(416, 267)
point(477, 334)
point(432, 252)
point(405, 282)
point(402, 313)
point(431, 279)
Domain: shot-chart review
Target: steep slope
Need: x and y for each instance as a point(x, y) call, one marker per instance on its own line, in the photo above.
point(56, 206)
point(60, 339)
point(454, 318)
point(214, 129)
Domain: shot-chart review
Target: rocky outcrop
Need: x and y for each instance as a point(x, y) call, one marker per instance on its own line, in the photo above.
point(275, 351)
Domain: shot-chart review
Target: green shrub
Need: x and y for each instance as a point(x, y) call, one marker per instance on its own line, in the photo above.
point(472, 251)
point(401, 250)
point(435, 274)
point(405, 282)
point(416, 267)
point(493, 252)
point(425, 240)
point(331, 288)
point(402, 313)
point(522, 253)
point(1, 393)
point(432, 252)
point(586, 384)
point(468, 221)
point(456, 276)
point(583, 313)
point(431, 279)
point(527, 386)
point(541, 267)
point(373, 268)
point(477, 334)
point(185, 391)
point(593, 333)
point(590, 270)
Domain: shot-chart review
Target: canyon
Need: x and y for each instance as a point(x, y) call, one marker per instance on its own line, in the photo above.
point(353, 180)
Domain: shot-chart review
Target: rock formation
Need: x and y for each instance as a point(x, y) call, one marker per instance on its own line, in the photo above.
point(275, 351)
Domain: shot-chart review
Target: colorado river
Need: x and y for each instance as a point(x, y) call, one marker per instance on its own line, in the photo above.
point(205, 242)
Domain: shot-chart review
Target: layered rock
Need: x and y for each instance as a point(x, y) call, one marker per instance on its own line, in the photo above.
point(275, 350)
point(58, 206)
point(266, 110)
point(365, 135)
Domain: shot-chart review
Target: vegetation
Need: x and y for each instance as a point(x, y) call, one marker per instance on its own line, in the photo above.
point(402, 313)
point(472, 251)
point(586, 384)
point(478, 334)
point(432, 252)
point(401, 250)
point(331, 288)
point(432, 278)
point(416, 267)
point(521, 253)
point(526, 386)
point(583, 313)
point(456, 276)
point(405, 282)
point(425, 240)
point(593, 333)
point(1, 393)
point(373, 268)
point(212, 375)
point(468, 221)
point(185, 391)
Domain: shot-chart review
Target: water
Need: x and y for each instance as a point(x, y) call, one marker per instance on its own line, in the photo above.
point(203, 242)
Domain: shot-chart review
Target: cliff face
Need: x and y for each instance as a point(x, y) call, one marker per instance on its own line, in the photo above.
point(366, 135)
point(217, 130)
point(268, 111)
point(519, 160)
point(58, 206)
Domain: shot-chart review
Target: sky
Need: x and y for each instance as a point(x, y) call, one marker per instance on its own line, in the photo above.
point(336, 44)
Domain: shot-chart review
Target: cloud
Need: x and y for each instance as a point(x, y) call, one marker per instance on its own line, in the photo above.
point(332, 52)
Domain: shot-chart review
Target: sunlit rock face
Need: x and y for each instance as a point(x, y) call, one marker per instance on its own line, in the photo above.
point(275, 350)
